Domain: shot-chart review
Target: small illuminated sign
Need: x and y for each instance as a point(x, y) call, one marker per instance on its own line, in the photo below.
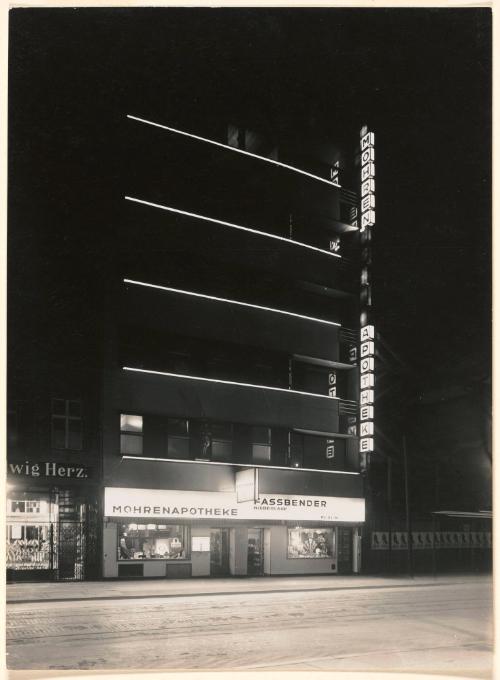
point(366, 380)
point(366, 397)
point(367, 349)
point(366, 445)
point(367, 333)
point(367, 364)
point(366, 413)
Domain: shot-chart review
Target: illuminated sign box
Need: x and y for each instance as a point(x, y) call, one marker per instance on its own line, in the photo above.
point(367, 333)
point(367, 349)
point(368, 172)
point(366, 380)
point(366, 397)
point(366, 413)
point(214, 506)
point(367, 364)
point(367, 140)
point(366, 445)
point(366, 429)
point(367, 187)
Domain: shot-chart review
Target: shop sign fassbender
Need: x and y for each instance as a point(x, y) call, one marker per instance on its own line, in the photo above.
point(164, 504)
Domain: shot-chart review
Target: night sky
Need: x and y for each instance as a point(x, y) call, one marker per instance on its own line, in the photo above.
point(419, 78)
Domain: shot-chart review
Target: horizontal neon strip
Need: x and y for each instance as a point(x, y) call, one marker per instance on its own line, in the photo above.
point(233, 226)
point(231, 302)
point(232, 148)
point(260, 467)
point(229, 382)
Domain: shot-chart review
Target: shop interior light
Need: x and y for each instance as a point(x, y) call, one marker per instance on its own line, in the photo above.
point(227, 382)
point(232, 148)
point(214, 298)
point(243, 465)
point(232, 225)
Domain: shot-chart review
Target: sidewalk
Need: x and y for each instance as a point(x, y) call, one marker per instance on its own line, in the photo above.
point(158, 588)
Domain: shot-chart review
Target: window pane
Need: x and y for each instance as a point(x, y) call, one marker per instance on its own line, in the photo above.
point(130, 423)
point(58, 432)
point(75, 434)
point(74, 409)
point(59, 407)
point(261, 435)
point(131, 444)
point(178, 447)
point(221, 450)
point(152, 541)
point(178, 427)
point(310, 543)
point(261, 453)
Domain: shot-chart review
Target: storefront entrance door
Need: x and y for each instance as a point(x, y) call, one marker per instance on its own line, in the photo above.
point(219, 552)
point(255, 559)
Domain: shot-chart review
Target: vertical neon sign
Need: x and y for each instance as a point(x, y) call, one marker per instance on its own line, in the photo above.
point(367, 330)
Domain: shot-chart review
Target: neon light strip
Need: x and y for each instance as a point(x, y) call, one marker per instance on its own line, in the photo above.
point(249, 465)
point(230, 224)
point(232, 148)
point(232, 302)
point(229, 382)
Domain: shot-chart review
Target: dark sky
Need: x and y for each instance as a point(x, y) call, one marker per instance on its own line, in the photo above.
point(419, 78)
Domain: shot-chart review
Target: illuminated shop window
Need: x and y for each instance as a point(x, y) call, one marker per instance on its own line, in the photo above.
point(306, 543)
point(130, 434)
point(261, 444)
point(67, 424)
point(178, 438)
point(152, 541)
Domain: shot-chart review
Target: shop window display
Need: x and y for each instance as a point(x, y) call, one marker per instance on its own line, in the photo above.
point(308, 543)
point(152, 541)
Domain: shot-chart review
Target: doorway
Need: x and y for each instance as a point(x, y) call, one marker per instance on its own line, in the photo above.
point(219, 552)
point(255, 558)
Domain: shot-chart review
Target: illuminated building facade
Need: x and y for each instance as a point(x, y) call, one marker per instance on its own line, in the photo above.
point(229, 407)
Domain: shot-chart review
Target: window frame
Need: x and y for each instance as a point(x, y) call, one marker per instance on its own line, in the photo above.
point(66, 419)
point(132, 433)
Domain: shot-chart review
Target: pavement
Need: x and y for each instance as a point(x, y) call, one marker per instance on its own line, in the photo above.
point(279, 624)
point(154, 588)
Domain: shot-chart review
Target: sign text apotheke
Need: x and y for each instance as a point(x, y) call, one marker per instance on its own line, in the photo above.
point(367, 393)
point(48, 469)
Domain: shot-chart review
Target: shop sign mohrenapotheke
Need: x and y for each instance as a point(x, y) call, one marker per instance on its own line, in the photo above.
point(121, 502)
point(48, 469)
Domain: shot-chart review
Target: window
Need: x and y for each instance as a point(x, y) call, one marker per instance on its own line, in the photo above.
point(222, 441)
point(261, 444)
point(67, 424)
point(178, 438)
point(305, 543)
point(152, 541)
point(130, 434)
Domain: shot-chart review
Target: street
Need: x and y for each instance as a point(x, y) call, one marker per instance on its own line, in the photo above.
point(442, 626)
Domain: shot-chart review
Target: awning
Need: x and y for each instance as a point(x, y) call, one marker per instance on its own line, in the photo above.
point(482, 514)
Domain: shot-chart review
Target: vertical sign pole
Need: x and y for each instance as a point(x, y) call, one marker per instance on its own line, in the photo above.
point(407, 504)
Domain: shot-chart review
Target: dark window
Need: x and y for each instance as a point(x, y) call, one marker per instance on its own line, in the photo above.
point(222, 441)
point(178, 438)
point(261, 444)
point(67, 424)
point(130, 434)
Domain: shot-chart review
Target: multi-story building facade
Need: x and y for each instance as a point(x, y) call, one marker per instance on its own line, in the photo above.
point(229, 388)
point(222, 408)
